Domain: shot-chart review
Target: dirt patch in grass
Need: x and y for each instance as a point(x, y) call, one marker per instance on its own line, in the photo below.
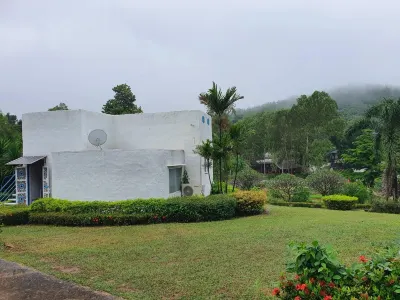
point(68, 270)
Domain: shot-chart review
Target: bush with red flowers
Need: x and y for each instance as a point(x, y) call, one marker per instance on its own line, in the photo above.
point(318, 275)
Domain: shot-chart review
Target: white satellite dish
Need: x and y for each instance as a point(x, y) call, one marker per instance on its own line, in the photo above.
point(97, 137)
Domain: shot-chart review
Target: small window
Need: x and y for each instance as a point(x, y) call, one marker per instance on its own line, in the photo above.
point(175, 175)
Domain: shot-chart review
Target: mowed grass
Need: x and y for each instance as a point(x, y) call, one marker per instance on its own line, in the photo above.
point(235, 259)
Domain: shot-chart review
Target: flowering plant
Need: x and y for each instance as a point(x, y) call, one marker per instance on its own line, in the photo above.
point(318, 275)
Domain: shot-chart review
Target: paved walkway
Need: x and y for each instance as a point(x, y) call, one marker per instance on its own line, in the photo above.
point(21, 283)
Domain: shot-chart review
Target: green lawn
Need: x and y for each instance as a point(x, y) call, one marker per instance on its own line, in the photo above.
point(235, 259)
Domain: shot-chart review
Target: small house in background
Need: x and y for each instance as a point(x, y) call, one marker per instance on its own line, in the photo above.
point(269, 166)
point(144, 155)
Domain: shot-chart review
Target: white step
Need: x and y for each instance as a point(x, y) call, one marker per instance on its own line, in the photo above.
point(11, 201)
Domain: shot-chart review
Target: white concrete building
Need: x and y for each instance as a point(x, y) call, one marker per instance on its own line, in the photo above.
point(143, 157)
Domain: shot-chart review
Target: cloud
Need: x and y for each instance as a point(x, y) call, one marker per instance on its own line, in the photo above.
point(170, 51)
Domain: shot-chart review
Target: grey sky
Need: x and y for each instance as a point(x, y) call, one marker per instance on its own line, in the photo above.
point(170, 51)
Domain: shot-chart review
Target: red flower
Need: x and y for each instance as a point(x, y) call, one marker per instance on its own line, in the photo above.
point(164, 217)
point(363, 259)
point(328, 297)
point(364, 278)
point(276, 291)
point(322, 293)
point(301, 287)
point(322, 283)
point(391, 281)
point(312, 280)
point(297, 298)
point(297, 277)
point(331, 284)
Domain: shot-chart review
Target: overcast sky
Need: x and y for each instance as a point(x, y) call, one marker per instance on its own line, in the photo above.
point(169, 51)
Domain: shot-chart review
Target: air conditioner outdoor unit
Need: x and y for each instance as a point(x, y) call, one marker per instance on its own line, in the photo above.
point(190, 190)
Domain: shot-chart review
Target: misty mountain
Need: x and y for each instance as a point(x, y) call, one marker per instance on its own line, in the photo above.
point(352, 100)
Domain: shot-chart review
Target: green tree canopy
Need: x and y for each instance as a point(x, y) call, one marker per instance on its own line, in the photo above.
point(123, 102)
point(61, 106)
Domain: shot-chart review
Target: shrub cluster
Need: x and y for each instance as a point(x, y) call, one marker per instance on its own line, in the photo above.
point(340, 202)
point(357, 189)
point(250, 202)
point(326, 182)
point(14, 215)
point(289, 188)
point(318, 275)
point(383, 206)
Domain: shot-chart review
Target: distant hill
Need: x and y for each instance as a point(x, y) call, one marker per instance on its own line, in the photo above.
point(352, 100)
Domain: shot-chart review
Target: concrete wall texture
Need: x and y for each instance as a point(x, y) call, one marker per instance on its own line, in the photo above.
point(134, 160)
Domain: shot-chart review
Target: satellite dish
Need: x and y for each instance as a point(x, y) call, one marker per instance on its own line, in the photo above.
point(97, 137)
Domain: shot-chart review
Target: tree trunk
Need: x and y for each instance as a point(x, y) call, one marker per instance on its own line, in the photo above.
point(236, 171)
point(220, 159)
point(208, 170)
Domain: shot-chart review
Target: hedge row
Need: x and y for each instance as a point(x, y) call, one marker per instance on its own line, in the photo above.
point(298, 204)
point(141, 211)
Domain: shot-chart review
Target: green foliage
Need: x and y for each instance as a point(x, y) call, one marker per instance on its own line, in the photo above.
point(248, 178)
point(286, 186)
point(384, 206)
point(250, 202)
point(123, 102)
point(216, 185)
point(301, 194)
point(92, 219)
point(320, 276)
point(61, 106)
point(218, 105)
point(364, 155)
point(297, 204)
point(318, 151)
point(186, 209)
point(357, 189)
point(340, 202)
point(14, 215)
point(185, 177)
point(326, 182)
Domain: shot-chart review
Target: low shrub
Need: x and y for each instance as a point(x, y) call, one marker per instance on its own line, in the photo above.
point(301, 194)
point(318, 275)
point(383, 206)
point(250, 202)
point(214, 188)
point(326, 182)
point(357, 189)
point(247, 178)
point(297, 204)
point(340, 202)
point(14, 215)
point(285, 186)
point(364, 206)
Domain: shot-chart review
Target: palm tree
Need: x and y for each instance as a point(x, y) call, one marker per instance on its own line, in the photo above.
point(384, 119)
point(218, 105)
point(206, 151)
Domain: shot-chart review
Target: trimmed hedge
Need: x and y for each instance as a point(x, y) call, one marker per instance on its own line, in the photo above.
point(340, 202)
point(250, 202)
point(382, 206)
point(14, 215)
point(68, 219)
point(298, 204)
point(364, 206)
point(128, 212)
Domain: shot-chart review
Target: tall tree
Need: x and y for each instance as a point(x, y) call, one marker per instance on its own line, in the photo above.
point(61, 106)
point(219, 104)
point(384, 119)
point(123, 102)
point(364, 155)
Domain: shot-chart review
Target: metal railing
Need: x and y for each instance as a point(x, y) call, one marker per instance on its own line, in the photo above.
point(7, 190)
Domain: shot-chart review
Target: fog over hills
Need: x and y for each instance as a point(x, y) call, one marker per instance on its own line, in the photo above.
point(352, 100)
